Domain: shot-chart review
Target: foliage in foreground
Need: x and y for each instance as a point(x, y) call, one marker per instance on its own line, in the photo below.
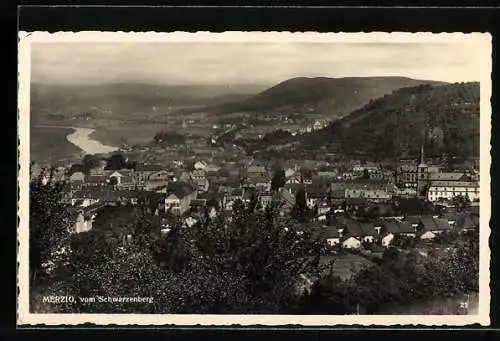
point(249, 262)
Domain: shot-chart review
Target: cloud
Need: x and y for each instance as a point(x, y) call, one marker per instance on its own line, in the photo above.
point(242, 63)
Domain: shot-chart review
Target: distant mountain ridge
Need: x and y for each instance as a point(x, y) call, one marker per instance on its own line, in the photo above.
point(129, 99)
point(445, 118)
point(323, 96)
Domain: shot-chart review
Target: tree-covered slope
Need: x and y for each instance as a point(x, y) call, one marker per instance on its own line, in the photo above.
point(444, 117)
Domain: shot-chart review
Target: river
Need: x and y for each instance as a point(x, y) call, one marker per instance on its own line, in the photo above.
point(81, 138)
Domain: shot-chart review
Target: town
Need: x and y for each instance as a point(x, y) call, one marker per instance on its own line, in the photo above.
point(355, 205)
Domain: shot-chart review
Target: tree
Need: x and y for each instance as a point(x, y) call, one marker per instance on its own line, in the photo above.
point(89, 162)
point(278, 181)
point(264, 258)
point(300, 211)
point(49, 225)
point(76, 168)
point(300, 200)
point(116, 161)
point(460, 202)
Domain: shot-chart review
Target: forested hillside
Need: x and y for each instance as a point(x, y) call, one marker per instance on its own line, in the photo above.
point(444, 117)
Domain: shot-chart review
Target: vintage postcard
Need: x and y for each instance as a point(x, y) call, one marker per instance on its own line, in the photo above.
point(254, 178)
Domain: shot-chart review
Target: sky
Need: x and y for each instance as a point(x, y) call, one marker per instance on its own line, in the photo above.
point(226, 63)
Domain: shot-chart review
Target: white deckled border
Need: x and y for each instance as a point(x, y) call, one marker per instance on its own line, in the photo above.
point(482, 41)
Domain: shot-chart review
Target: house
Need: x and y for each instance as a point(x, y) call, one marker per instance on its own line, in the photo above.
point(158, 179)
point(77, 177)
point(200, 165)
point(368, 232)
point(257, 171)
point(306, 176)
point(179, 197)
point(324, 208)
point(122, 179)
point(466, 222)
point(354, 204)
point(260, 182)
point(372, 190)
point(447, 176)
point(327, 174)
point(84, 197)
point(96, 180)
point(440, 189)
point(230, 196)
point(368, 166)
point(85, 217)
point(407, 176)
point(430, 226)
point(190, 221)
point(202, 185)
point(427, 235)
point(212, 168)
point(126, 183)
point(406, 229)
point(386, 239)
point(294, 179)
point(198, 174)
point(286, 199)
point(77, 180)
point(316, 195)
point(381, 175)
point(451, 217)
point(391, 227)
point(352, 228)
point(351, 242)
point(265, 199)
point(332, 235)
point(144, 170)
point(289, 172)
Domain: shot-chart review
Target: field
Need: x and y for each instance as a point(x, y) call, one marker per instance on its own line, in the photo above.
point(117, 134)
point(50, 144)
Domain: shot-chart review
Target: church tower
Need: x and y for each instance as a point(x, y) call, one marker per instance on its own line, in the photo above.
point(422, 174)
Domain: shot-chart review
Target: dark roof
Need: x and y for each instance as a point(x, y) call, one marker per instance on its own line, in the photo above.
point(466, 221)
point(405, 227)
point(413, 219)
point(428, 223)
point(356, 201)
point(391, 226)
point(199, 202)
point(148, 167)
point(286, 197)
point(326, 232)
point(367, 229)
point(353, 228)
point(96, 178)
point(180, 189)
point(317, 192)
point(127, 179)
point(473, 210)
point(442, 224)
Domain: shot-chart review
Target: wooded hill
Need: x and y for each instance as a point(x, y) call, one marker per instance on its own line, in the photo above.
point(444, 117)
point(321, 96)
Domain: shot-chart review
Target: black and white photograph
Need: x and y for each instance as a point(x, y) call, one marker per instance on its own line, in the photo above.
point(254, 178)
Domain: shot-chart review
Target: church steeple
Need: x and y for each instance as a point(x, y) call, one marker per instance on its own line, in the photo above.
point(422, 154)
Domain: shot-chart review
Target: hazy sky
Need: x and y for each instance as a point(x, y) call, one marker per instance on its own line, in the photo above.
point(247, 63)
